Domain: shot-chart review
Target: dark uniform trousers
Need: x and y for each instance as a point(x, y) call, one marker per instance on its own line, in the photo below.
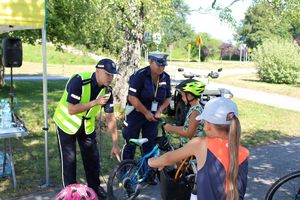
point(137, 122)
point(89, 154)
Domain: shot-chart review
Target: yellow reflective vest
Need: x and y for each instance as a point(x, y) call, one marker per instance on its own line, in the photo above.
point(71, 123)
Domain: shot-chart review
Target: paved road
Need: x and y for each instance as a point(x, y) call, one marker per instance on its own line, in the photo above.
point(270, 162)
point(276, 100)
point(267, 163)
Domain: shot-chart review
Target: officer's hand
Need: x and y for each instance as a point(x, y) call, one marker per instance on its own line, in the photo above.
point(157, 114)
point(115, 151)
point(150, 117)
point(103, 99)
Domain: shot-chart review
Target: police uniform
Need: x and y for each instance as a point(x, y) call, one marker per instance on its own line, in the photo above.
point(81, 88)
point(142, 87)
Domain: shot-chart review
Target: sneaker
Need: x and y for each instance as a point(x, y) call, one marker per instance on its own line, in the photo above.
point(102, 195)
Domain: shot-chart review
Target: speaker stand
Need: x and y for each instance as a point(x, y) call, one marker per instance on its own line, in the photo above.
point(11, 93)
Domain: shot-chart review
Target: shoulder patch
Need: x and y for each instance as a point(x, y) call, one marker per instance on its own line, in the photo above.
point(162, 83)
point(86, 81)
point(75, 96)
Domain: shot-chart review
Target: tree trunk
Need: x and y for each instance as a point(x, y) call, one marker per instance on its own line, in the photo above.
point(2, 82)
point(130, 57)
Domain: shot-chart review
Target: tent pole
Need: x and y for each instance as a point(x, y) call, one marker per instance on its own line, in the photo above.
point(45, 92)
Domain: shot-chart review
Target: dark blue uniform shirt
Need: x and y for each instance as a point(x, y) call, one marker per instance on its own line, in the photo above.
point(142, 87)
point(74, 89)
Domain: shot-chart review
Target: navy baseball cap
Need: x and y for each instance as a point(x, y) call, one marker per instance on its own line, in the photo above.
point(159, 57)
point(108, 65)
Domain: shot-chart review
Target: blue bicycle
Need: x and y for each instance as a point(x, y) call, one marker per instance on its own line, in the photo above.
point(125, 181)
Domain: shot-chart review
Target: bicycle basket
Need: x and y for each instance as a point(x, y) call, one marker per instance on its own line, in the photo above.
point(171, 189)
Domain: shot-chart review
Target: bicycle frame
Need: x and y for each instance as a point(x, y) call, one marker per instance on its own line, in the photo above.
point(141, 164)
point(128, 176)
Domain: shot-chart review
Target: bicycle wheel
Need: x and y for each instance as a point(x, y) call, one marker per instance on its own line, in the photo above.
point(123, 181)
point(286, 188)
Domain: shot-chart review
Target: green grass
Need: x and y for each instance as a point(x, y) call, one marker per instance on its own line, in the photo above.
point(65, 64)
point(263, 124)
point(33, 53)
point(251, 81)
point(260, 124)
point(58, 63)
point(29, 152)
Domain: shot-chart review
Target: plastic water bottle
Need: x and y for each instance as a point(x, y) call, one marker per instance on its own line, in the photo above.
point(6, 115)
point(7, 171)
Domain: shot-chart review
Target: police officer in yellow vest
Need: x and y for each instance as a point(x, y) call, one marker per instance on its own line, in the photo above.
point(85, 94)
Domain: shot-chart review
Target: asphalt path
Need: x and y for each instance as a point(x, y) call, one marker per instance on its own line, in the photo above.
point(271, 99)
point(267, 163)
point(270, 162)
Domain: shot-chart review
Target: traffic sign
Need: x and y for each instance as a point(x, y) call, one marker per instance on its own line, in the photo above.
point(199, 41)
point(156, 38)
point(147, 36)
point(171, 46)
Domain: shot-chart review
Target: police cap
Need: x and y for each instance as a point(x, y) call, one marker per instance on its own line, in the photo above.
point(108, 65)
point(159, 57)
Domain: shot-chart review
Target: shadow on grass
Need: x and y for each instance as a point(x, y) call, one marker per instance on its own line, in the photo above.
point(29, 153)
point(252, 80)
point(261, 137)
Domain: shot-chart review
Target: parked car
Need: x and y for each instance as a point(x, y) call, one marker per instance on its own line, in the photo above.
point(177, 107)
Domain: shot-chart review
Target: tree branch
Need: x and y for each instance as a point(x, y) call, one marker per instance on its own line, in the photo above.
point(233, 2)
point(213, 3)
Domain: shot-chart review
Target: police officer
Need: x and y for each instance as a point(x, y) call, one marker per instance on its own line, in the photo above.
point(148, 95)
point(85, 94)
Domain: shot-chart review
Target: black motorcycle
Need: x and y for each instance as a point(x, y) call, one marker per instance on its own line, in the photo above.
point(178, 108)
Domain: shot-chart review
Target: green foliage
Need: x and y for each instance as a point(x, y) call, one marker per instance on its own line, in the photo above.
point(261, 22)
point(174, 26)
point(278, 61)
point(180, 51)
point(208, 41)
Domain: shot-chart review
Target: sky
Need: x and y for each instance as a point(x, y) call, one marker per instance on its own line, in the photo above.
point(210, 22)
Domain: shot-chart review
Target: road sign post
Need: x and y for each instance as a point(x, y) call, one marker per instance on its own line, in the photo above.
point(189, 51)
point(199, 56)
point(171, 47)
point(199, 42)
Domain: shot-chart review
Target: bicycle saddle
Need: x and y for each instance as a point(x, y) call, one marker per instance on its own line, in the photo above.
point(138, 142)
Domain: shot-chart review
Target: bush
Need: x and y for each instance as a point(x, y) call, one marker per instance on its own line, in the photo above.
point(278, 61)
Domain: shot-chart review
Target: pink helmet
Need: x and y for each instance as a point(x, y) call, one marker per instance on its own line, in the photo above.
point(77, 192)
